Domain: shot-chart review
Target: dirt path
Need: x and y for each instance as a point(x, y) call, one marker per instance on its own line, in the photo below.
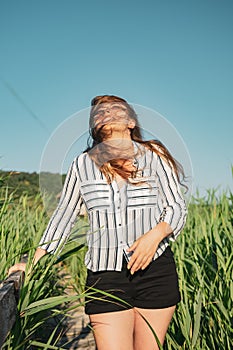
point(77, 333)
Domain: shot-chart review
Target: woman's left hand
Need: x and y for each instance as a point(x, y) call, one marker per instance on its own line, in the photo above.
point(144, 249)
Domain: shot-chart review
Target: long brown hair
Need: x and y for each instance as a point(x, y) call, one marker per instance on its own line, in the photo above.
point(116, 166)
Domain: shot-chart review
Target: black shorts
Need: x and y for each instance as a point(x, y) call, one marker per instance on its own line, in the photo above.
point(156, 287)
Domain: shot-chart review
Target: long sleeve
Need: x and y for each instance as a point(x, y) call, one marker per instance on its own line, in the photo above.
point(63, 218)
point(174, 207)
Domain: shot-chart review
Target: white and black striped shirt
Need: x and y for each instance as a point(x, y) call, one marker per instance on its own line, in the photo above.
point(117, 216)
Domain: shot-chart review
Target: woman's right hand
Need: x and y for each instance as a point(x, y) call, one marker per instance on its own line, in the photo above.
point(17, 267)
point(22, 266)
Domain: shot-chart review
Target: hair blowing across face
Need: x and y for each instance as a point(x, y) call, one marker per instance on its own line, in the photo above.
point(114, 165)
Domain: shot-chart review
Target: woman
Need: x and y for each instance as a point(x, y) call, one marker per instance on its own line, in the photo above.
point(131, 191)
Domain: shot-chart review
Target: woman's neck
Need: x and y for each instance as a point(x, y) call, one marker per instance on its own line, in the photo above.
point(118, 135)
point(122, 142)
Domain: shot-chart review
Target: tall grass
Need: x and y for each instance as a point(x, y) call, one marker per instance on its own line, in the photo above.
point(204, 256)
point(22, 223)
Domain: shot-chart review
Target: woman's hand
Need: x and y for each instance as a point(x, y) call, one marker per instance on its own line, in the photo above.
point(22, 266)
point(144, 247)
point(17, 267)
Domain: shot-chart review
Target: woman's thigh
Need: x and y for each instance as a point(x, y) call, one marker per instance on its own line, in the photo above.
point(159, 320)
point(113, 330)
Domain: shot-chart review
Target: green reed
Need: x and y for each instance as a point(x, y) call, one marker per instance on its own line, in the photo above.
point(22, 223)
point(204, 256)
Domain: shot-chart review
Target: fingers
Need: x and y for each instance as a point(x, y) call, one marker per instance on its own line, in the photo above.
point(17, 267)
point(133, 246)
point(139, 261)
point(148, 261)
point(143, 249)
point(134, 264)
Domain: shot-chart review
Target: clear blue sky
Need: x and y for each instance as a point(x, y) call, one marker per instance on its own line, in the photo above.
point(173, 56)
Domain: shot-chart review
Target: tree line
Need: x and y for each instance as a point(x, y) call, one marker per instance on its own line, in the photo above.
point(20, 183)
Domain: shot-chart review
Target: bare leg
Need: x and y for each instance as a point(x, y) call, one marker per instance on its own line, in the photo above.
point(159, 319)
point(113, 330)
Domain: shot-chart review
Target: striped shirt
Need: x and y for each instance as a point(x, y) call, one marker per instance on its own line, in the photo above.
point(117, 215)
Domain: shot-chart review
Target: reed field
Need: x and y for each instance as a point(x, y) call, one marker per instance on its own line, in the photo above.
point(203, 252)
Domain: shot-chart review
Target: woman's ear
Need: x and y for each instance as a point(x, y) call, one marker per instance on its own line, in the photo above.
point(131, 124)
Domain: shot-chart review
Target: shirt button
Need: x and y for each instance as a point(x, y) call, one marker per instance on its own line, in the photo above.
point(118, 207)
point(119, 224)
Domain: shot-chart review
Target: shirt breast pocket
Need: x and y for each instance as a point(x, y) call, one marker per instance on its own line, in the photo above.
point(95, 194)
point(143, 194)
